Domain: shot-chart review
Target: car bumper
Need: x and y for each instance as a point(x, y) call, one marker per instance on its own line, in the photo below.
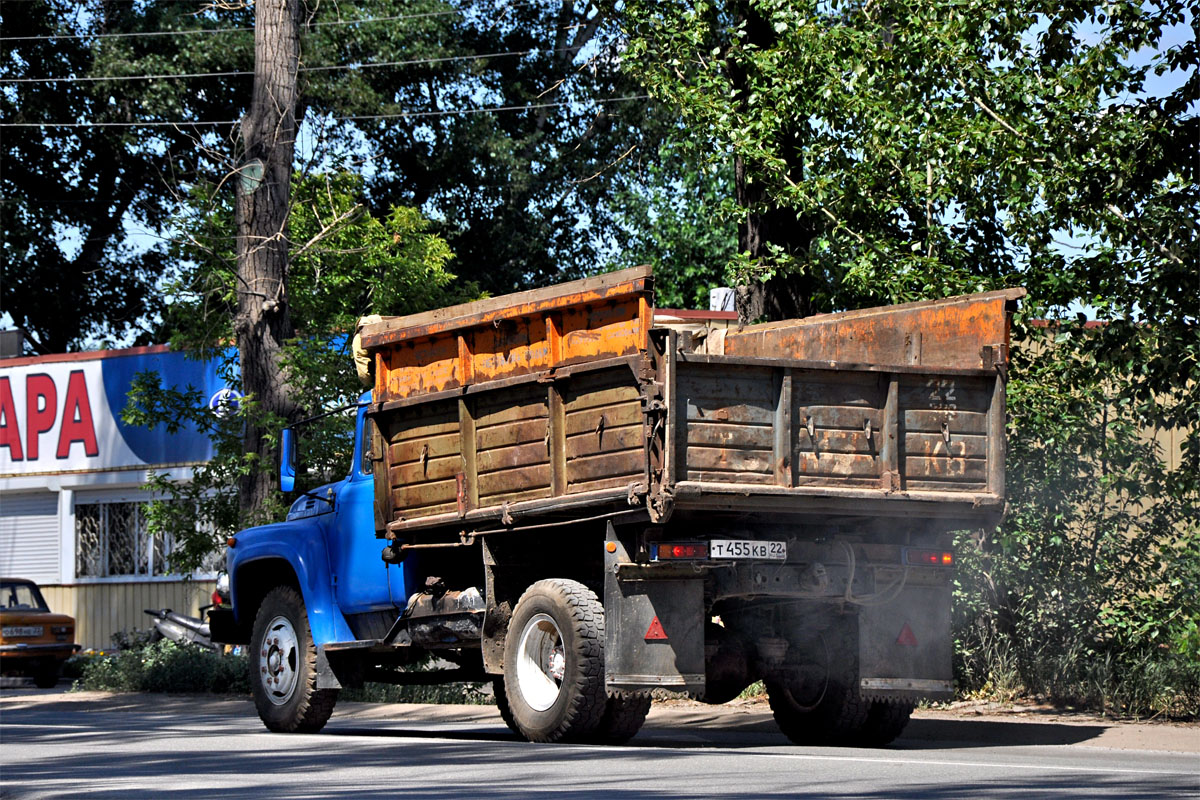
point(38, 650)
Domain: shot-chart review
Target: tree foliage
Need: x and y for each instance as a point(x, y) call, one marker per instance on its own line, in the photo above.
point(73, 198)
point(673, 215)
point(891, 151)
point(391, 88)
point(345, 263)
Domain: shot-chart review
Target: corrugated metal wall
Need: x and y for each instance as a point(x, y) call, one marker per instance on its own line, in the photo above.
point(102, 609)
point(29, 536)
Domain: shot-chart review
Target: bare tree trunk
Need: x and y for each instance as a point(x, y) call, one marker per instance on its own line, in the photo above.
point(263, 323)
point(785, 295)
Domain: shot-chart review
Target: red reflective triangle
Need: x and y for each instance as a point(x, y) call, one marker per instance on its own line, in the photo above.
point(655, 631)
point(906, 637)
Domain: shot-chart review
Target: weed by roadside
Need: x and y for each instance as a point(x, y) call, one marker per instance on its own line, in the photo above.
point(165, 666)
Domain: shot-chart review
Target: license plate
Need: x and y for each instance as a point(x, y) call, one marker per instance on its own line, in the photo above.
point(747, 548)
point(21, 630)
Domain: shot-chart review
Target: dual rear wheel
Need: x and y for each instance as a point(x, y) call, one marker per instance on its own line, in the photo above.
point(553, 685)
point(830, 710)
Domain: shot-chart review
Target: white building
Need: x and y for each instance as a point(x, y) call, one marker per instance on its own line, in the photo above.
point(72, 506)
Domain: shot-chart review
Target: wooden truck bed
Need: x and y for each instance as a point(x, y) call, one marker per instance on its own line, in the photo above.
point(568, 402)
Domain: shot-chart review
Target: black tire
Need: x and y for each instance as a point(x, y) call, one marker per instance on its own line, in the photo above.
point(46, 677)
point(726, 671)
point(503, 706)
point(554, 662)
point(623, 718)
point(885, 721)
point(283, 655)
point(830, 711)
point(835, 719)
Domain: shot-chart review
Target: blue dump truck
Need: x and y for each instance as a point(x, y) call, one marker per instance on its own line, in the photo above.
point(582, 499)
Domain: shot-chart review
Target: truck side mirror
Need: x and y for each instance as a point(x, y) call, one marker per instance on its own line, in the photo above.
point(287, 461)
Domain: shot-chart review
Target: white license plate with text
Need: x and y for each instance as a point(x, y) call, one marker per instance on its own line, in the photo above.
point(747, 548)
point(21, 630)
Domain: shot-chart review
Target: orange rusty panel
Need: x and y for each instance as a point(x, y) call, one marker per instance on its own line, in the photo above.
point(938, 333)
point(519, 334)
point(602, 331)
point(411, 369)
point(510, 349)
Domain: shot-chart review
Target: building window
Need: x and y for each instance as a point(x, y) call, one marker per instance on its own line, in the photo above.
point(112, 539)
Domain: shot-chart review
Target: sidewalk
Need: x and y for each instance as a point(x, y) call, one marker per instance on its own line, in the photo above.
point(971, 728)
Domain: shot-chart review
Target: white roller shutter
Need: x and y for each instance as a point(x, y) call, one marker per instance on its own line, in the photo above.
point(29, 536)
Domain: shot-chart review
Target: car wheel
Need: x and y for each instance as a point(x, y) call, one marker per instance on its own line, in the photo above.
point(46, 677)
point(283, 667)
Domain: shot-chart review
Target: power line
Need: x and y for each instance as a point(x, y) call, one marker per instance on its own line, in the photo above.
point(140, 34)
point(351, 118)
point(319, 24)
point(244, 72)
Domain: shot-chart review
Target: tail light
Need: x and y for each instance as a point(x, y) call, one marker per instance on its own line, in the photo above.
point(928, 558)
point(678, 551)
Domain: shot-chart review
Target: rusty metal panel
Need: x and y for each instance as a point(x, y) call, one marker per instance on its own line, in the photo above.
point(422, 455)
point(942, 333)
point(839, 428)
point(604, 442)
point(731, 414)
point(945, 433)
point(414, 368)
point(519, 334)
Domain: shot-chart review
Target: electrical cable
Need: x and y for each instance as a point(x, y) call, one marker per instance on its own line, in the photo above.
point(350, 118)
point(323, 68)
point(142, 34)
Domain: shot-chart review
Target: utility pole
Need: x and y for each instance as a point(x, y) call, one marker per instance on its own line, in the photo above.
point(263, 323)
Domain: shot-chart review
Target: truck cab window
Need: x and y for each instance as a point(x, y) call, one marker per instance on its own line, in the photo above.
point(368, 442)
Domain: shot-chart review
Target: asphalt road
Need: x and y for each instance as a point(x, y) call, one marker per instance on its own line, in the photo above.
point(56, 745)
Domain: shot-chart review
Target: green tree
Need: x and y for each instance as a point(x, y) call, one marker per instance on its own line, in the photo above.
point(345, 263)
point(71, 198)
point(521, 195)
point(673, 215)
point(888, 151)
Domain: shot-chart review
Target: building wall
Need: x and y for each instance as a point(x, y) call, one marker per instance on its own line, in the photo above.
point(72, 474)
point(102, 609)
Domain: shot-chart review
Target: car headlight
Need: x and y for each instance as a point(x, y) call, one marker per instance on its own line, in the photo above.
point(223, 584)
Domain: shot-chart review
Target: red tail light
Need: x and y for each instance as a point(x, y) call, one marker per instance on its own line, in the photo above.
point(677, 551)
point(928, 558)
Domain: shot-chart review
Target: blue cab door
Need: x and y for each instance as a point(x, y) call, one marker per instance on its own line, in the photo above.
point(364, 581)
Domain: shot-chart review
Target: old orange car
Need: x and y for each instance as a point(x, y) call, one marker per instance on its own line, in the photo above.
point(33, 641)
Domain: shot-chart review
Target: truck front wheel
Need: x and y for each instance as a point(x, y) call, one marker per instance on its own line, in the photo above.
point(283, 667)
point(554, 662)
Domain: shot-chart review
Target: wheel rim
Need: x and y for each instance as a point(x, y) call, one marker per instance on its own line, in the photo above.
point(279, 660)
point(541, 662)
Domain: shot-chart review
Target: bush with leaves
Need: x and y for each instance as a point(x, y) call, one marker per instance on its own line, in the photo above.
point(1088, 593)
point(165, 666)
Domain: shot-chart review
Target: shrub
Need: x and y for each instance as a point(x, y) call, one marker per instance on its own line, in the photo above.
point(165, 666)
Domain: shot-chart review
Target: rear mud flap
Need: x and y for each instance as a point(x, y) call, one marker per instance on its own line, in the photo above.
point(654, 631)
point(904, 647)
